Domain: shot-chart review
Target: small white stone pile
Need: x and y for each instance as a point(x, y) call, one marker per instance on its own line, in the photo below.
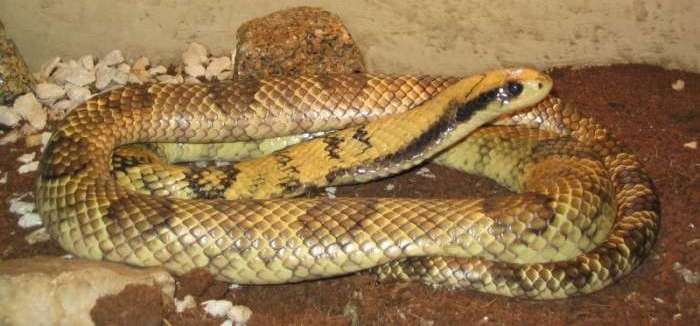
point(63, 85)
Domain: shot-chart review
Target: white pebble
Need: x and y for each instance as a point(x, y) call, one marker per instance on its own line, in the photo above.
point(226, 75)
point(8, 116)
point(678, 85)
point(330, 192)
point(141, 64)
point(120, 77)
point(124, 67)
point(195, 70)
point(135, 79)
point(79, 94)
point(192, 80)
point(48, 68)
point(688, 276)
point(112, 58)
point(20, 207)
point(73, 73)
point(216, 66)
point(239, 314)
point(3, 179)
point(186, 303)
point(62, 108)
point(49, 91)
point(104, 75)
point(29, 220)
point(10, 137)
point(168, 79)
point(389, 187)
point(28, 167)
point(195, 54)
point(38, 235)
point(691, 145)
point(217, 308)
point(29, 108)
point(87, 61)
point(158, 70)
point(26, 158)
point(426, 173)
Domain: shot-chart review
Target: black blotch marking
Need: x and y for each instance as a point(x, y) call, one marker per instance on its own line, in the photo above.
point(290, 183)
point(205, 190)
point(332, 142)
point(362, 136)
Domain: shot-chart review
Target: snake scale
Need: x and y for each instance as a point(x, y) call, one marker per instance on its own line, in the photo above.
point(584, 213)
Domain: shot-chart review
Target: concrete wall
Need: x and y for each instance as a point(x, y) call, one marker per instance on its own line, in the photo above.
point(396, 36)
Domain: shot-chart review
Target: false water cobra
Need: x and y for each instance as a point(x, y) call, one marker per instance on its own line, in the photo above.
point(586, 214)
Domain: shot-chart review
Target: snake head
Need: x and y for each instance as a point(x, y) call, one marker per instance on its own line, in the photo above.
point(501, 91)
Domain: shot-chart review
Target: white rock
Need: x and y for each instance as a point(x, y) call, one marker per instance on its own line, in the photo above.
point(10, 137)
point(216, 66)
point(135, 79)
point(26, 158)
point(170, 79)
point(63, 106)
point(192, 80)
point(29, 108)
point(74, 73)
point(81, 77)
point(389, 187)
point(227, 322)
point(239, 314)
point(226, 75)
point(29, 220)
point(78, 94)
point(691, 145)
point(8, 116)
point(124, 67)
point(195, 54)
point(678, 85)
point(158, 70)
point(688, 276)
point(104, 76)
point(48, 68)
point(195, 70)
point(3, 179)
point(186, 303)
point(141, 63)
point(120, 77)
point(56, 291)
point(330, 192)
point(87, 61)
point(49, 91)
point(38, 235)
point(426, 173)
point(28, 167)
point(112, 58)
point(20, 207)
point(217, 308)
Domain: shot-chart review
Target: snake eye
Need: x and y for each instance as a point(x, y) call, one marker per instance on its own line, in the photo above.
point(514, 88)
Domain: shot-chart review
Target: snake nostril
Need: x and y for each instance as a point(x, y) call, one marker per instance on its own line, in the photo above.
point(539, 85)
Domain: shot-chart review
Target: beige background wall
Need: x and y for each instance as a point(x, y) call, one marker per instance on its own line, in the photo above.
point(396, 36)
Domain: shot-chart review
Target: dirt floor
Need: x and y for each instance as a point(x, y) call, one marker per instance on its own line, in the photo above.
point(636, 102)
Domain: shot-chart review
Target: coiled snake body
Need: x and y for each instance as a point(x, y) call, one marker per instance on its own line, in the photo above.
point(586, 215)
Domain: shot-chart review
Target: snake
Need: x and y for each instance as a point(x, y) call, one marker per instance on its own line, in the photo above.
point(583, 212)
